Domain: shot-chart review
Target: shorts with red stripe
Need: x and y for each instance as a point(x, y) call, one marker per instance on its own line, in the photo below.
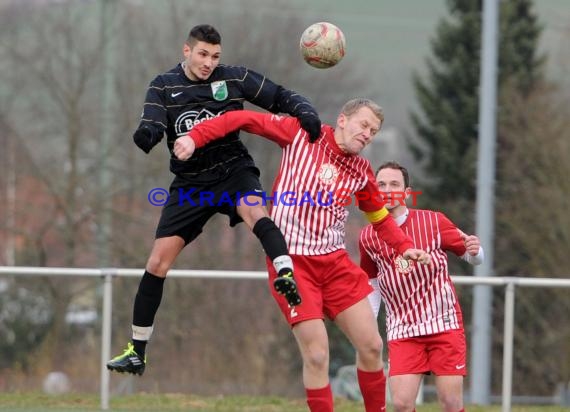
point(328, 284)
point(441, 354)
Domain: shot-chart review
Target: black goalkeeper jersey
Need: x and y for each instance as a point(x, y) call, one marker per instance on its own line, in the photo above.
point(174, 104)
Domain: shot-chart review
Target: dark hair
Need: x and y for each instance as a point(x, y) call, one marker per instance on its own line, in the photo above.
point(205, 33)
point(395, 165)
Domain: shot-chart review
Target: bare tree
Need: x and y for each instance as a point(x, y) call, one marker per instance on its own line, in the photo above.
point(50, 57)
point(53, 66)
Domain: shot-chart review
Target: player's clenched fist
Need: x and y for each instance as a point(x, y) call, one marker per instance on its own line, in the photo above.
point(418, 255)
point(184, 147)
point(472, 243)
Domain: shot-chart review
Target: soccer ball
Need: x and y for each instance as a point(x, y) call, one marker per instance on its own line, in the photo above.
point(322, 45)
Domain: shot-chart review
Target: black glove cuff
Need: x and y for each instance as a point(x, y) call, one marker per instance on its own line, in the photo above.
point(144, 139)
point(312, 124)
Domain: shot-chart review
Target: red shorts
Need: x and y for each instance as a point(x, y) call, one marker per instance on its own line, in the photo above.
point(328, 284)
point(443, 354)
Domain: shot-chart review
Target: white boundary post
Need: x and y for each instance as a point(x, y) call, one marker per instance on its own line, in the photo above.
point(106, 335)
point(508, 346)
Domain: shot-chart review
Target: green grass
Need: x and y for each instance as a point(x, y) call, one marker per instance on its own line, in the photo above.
point(36, 402)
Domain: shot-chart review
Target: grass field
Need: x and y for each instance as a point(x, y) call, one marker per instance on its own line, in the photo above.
point(36, 402)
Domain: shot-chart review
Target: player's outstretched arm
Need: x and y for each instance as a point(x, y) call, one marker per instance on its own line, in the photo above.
point(280, 129)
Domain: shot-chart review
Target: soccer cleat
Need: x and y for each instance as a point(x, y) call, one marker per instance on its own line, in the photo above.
point(285, 285)
point(129, 362)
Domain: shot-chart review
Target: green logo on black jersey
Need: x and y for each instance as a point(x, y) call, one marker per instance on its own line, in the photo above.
point(220, 90)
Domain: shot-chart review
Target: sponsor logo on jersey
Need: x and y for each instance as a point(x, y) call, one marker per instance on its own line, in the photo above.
point(219, 90)
point(403, 266)
point(327, 174)
point(187, 120)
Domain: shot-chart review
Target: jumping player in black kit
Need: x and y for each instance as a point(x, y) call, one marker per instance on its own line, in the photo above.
point(197, 89)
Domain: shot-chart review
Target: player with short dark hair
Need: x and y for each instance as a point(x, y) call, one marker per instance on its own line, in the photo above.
point(197, 89)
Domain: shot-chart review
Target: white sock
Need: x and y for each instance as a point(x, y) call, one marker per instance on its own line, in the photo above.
point(142, 332)
point(283, 261)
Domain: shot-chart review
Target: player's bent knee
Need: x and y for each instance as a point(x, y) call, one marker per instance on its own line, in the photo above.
point(403, 404)
point(377, 344)
point(371, 348)
point(251, 214)
point(316, 359)
point(158, 266)
point(164, 252)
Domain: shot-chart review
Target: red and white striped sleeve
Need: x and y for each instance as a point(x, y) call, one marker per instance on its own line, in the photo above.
point(450, 236)
point(280, 129)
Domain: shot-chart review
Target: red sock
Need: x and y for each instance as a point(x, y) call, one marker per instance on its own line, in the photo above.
point(320, 400)
point(373, 389)
point(462, 410)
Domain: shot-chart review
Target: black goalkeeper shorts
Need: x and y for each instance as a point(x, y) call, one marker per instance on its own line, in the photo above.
point(192, 204)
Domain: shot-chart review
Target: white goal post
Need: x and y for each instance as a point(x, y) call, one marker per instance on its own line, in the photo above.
point(107, 275)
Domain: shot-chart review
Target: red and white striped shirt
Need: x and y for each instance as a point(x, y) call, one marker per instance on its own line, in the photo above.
point(315, 183)
point(420, 299)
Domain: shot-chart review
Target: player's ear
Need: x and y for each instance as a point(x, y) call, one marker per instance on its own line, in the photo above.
point(341, 120)
point(407, 192)
point(186, 49)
